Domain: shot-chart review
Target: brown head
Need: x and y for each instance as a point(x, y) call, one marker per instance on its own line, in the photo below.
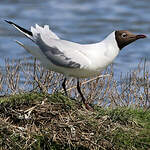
point(124, 38)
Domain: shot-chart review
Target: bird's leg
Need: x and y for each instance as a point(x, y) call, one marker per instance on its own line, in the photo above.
point(83, 99)
point(79, 90)
point(64, 86)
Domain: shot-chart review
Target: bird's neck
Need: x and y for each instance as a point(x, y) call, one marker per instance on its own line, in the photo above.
point(111, 45)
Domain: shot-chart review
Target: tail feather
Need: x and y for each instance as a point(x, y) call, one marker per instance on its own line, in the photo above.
point(48, 31)
point(45, 32)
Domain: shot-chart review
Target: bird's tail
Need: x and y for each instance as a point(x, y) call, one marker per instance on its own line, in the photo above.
point(35, 31)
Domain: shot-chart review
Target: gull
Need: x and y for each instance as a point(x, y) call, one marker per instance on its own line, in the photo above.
point(74, 59)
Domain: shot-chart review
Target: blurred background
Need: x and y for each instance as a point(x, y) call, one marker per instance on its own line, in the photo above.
point(79, 21)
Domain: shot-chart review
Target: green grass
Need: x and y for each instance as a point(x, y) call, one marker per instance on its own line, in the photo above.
point(40, 121)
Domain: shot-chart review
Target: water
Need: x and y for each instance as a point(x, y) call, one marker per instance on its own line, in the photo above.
point(79, 21)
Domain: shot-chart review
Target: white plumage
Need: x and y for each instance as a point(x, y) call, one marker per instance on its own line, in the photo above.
point(69, 58)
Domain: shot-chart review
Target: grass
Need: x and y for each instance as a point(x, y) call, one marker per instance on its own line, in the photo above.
point(41, 121)
point(35, 116)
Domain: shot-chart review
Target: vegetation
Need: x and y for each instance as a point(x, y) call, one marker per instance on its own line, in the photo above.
point(42, 121)
point(34, 115)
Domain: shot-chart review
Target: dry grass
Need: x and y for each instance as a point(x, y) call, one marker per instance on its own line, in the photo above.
point(131, 89)
point(40, 121)
point(35, 115)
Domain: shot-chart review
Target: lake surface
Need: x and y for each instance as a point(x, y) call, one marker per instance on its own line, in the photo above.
point(79, 21)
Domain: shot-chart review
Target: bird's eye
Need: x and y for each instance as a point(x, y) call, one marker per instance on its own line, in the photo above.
point(124, 35)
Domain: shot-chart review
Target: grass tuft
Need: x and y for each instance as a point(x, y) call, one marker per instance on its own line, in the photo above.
point(40, 121)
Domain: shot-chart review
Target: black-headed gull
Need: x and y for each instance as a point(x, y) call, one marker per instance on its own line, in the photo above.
point(73, 59)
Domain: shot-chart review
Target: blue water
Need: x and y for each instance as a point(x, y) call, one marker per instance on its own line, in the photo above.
point(80, 21)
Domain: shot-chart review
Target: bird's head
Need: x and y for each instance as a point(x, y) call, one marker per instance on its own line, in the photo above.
point(124, 38)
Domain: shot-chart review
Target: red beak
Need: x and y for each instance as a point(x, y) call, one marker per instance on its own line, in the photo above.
point(140, 36)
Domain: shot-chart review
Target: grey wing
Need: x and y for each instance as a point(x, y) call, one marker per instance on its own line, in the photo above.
point(59, 57)
point(59, 52)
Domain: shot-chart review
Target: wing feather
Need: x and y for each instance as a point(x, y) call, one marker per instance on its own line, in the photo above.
point(57, 56)
point(59, 52)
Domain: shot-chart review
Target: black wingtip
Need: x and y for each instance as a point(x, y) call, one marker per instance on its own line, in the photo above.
point(8, 21)
point(19, 28)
